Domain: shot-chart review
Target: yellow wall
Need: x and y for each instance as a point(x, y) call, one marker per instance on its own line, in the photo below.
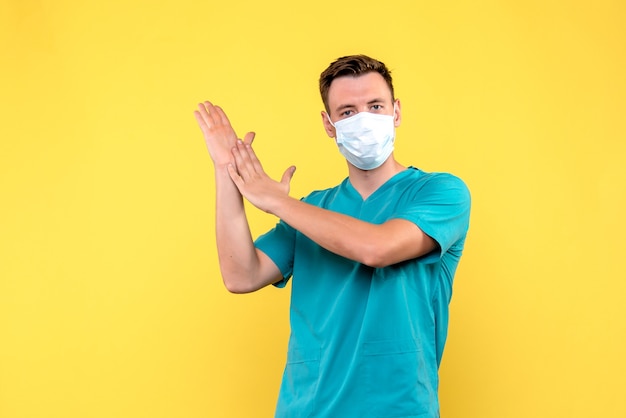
point(111, 304)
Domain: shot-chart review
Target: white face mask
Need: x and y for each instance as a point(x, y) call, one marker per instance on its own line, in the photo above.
point(366, 139)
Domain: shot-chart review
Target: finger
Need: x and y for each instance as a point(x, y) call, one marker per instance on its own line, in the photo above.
point(249, 138)
point(254, 161)
point(242, 161)
point(200, 120)
point(220, 116)
point(212, 114)
point(234, 176)
point(204, 112)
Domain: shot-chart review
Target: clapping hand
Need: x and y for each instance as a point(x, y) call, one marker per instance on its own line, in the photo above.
point(253, 183)
point(219, 135)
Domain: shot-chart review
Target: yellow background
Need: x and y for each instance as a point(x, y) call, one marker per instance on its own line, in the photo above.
point(111, 304)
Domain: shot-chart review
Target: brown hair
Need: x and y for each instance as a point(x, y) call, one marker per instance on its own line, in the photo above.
point(352, 65)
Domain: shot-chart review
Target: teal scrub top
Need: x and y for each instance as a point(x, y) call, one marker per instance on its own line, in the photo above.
point(367, 342)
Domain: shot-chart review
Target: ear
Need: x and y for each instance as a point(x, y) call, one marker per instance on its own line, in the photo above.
point(330, 129)
point(397, 117)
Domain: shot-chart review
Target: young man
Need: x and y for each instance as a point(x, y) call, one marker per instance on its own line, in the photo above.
point(372, 259)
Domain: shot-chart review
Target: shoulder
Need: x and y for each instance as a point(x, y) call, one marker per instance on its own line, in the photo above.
point(438, 183)
point(434, 177)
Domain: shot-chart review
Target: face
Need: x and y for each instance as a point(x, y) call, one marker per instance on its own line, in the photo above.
point(349, 95)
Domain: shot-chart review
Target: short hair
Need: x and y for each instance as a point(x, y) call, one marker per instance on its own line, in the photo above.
point(354, 66)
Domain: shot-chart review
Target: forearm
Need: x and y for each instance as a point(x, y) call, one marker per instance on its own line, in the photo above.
point(371, 244)
point(338, 233)
point(237, 255)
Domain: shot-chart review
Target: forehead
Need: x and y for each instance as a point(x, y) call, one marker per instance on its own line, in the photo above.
point(357, 90)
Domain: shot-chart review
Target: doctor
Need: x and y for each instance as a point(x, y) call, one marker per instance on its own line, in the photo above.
point(371, 260)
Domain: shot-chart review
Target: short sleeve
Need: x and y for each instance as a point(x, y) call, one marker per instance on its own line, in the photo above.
point(279, 245)
point(441, 209)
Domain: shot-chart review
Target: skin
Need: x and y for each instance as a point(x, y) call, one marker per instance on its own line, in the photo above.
point(239, 174)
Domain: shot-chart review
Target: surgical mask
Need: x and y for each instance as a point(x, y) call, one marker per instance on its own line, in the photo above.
point(365, 139)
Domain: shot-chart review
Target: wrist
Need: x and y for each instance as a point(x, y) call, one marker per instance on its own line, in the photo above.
point(221, 173)
point(277, 205)
point(222, 165)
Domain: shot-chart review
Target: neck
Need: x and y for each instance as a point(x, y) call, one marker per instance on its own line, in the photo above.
point(367, 182)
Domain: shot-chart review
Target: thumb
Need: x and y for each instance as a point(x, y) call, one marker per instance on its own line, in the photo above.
point(288, 174)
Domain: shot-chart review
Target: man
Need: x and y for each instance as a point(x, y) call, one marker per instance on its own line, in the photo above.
point(372, 259)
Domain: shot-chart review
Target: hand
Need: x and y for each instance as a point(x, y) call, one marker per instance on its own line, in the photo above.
point(252, 181)
point(219, 135)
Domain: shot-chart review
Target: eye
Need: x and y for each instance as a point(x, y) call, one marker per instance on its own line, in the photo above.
point(346, 113)
point(377, 107)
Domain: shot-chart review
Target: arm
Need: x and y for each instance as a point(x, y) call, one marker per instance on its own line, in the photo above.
point(244, 268)
point(371, 244)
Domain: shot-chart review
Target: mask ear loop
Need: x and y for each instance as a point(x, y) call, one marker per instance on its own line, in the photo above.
point(330, 121)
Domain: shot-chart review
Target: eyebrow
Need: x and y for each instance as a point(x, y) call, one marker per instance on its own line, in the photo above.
point(347, 106)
